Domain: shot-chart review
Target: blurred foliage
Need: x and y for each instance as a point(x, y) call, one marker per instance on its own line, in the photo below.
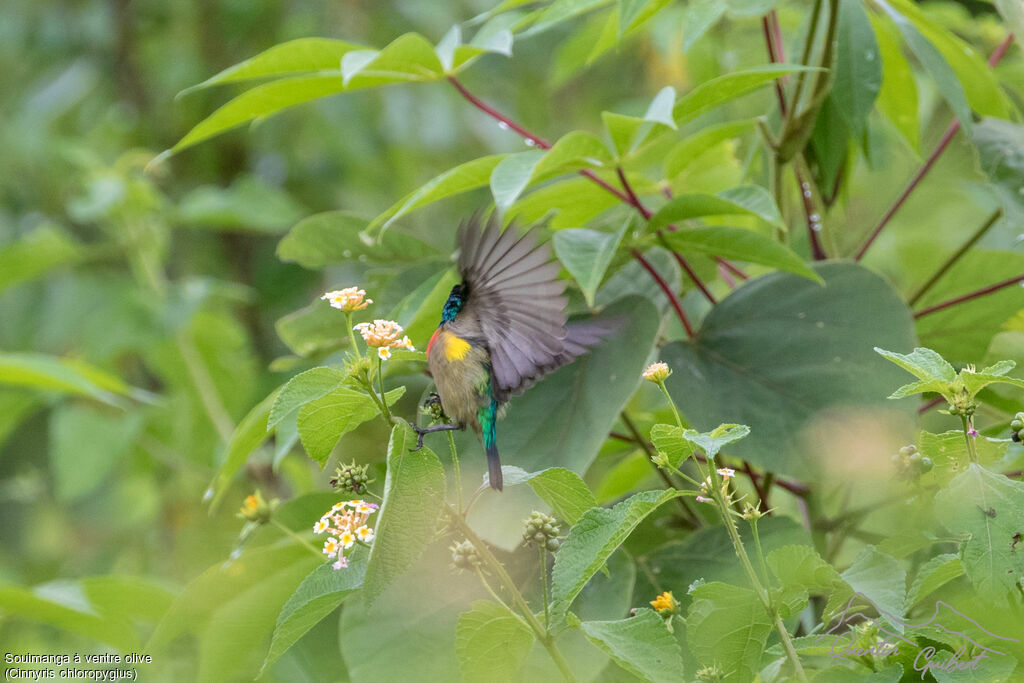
point(163, 345)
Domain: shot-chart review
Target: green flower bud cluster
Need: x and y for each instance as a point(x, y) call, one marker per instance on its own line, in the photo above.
point(709, 674)
point(542, 531)
point(910, 464)
point(465, 556)
point(962, 404)
point(432, 407)
point(351, 478)
point(1017, 427)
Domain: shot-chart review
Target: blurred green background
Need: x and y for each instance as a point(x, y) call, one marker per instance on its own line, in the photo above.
point(168, 279)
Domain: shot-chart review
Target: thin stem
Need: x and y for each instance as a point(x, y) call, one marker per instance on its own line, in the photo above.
point(672, 298)
point(298, 538)
point(971, 452)
point(967, 297)
point(631, 195)
point(805, 57)
point(544, 584)
point(380, 383)
point(517, 597)
point(947, 137)
point(455, 466)
point(672, 404)
point(490, 589)
point(955, 256)
point(760, 551)
point(649, 452)
point(761, 495)
point(811, 215)
point(352, 335)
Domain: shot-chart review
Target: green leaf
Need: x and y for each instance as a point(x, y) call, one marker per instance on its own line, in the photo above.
point(420, 312)
point(337, 236)
point(712, 442)
point(1012, 13)
point(897, 98)
point(976, 381)
point(933, 574)
point(576, 149)
point(668, 439)
point(640, 644)
point(413, 500)
point(718, 91)
point(511, 176)
point(316, 328)
point(317, 596)
point(878, 577)
point(592, 540)
point(85, 445)
point(740, 367)
point(410, 57)
point(625, 132)
point(978, 80)
point(727, 626)
point(748, 200)
point(923, 363)
point(629, 10)
point(249, 435)
point(570, 203)
point(289, 58)
point(987, 507)
point(699, 16)
point(323, 421)
point(491, 643)
point(66, 376)
point(690, 148)
point(660, 108)
point(800, 566)
point(89, 607)
point(858, 68)
point(560, 11)
point(742, 245)
point(586, 254)
point(301, 389)
point(562, 489)
point(934, 63)
point(33, 255)
point(1001, 148)
point(15, 407)
point(248, 205)
point(232, 608)
point(948, 452)
point(462, 178)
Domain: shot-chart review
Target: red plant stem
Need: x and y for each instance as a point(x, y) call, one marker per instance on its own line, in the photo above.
point(967, 297)
point(498, 116)
point(762, 495)
point(647, 213)
point(925, 407)
point(724, 273)
point(947, 137)
point(672, 298)
point(773, 39)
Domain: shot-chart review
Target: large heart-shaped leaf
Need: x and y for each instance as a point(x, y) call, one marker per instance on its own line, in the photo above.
point(781, 348)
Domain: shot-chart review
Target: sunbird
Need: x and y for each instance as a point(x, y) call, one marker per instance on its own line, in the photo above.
point(502, 329)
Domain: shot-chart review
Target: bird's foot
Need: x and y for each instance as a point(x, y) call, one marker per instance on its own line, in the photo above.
point(420, 433)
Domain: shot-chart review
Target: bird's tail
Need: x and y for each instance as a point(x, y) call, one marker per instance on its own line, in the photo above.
point(489, 427)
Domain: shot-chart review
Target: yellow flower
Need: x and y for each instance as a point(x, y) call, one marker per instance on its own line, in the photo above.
point(347, 539)
point(364, 534)
point(331, 547)
point(256, 509)
point(666, 602)
point(726, 473)
point(349, 299)
point(657, 372)
point(321, 526)
point(384, 353)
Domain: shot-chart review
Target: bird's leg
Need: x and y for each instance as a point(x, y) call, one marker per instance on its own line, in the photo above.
point(423, 431)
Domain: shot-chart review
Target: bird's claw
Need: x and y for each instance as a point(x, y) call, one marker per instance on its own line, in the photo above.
point(420, 432)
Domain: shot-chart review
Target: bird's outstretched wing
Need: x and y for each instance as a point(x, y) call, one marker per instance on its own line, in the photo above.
point(517, 300)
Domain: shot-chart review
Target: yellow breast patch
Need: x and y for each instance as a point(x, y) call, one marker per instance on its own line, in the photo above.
point(455, 348)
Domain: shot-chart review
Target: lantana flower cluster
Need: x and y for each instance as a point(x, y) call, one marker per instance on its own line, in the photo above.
point(345, 525)
point(349, 300)
point(384, 335)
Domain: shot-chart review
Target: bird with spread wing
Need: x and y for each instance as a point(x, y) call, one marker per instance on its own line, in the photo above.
point(502, 329)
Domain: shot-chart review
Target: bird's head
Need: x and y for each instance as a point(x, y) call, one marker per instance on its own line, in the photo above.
point(456, 300)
